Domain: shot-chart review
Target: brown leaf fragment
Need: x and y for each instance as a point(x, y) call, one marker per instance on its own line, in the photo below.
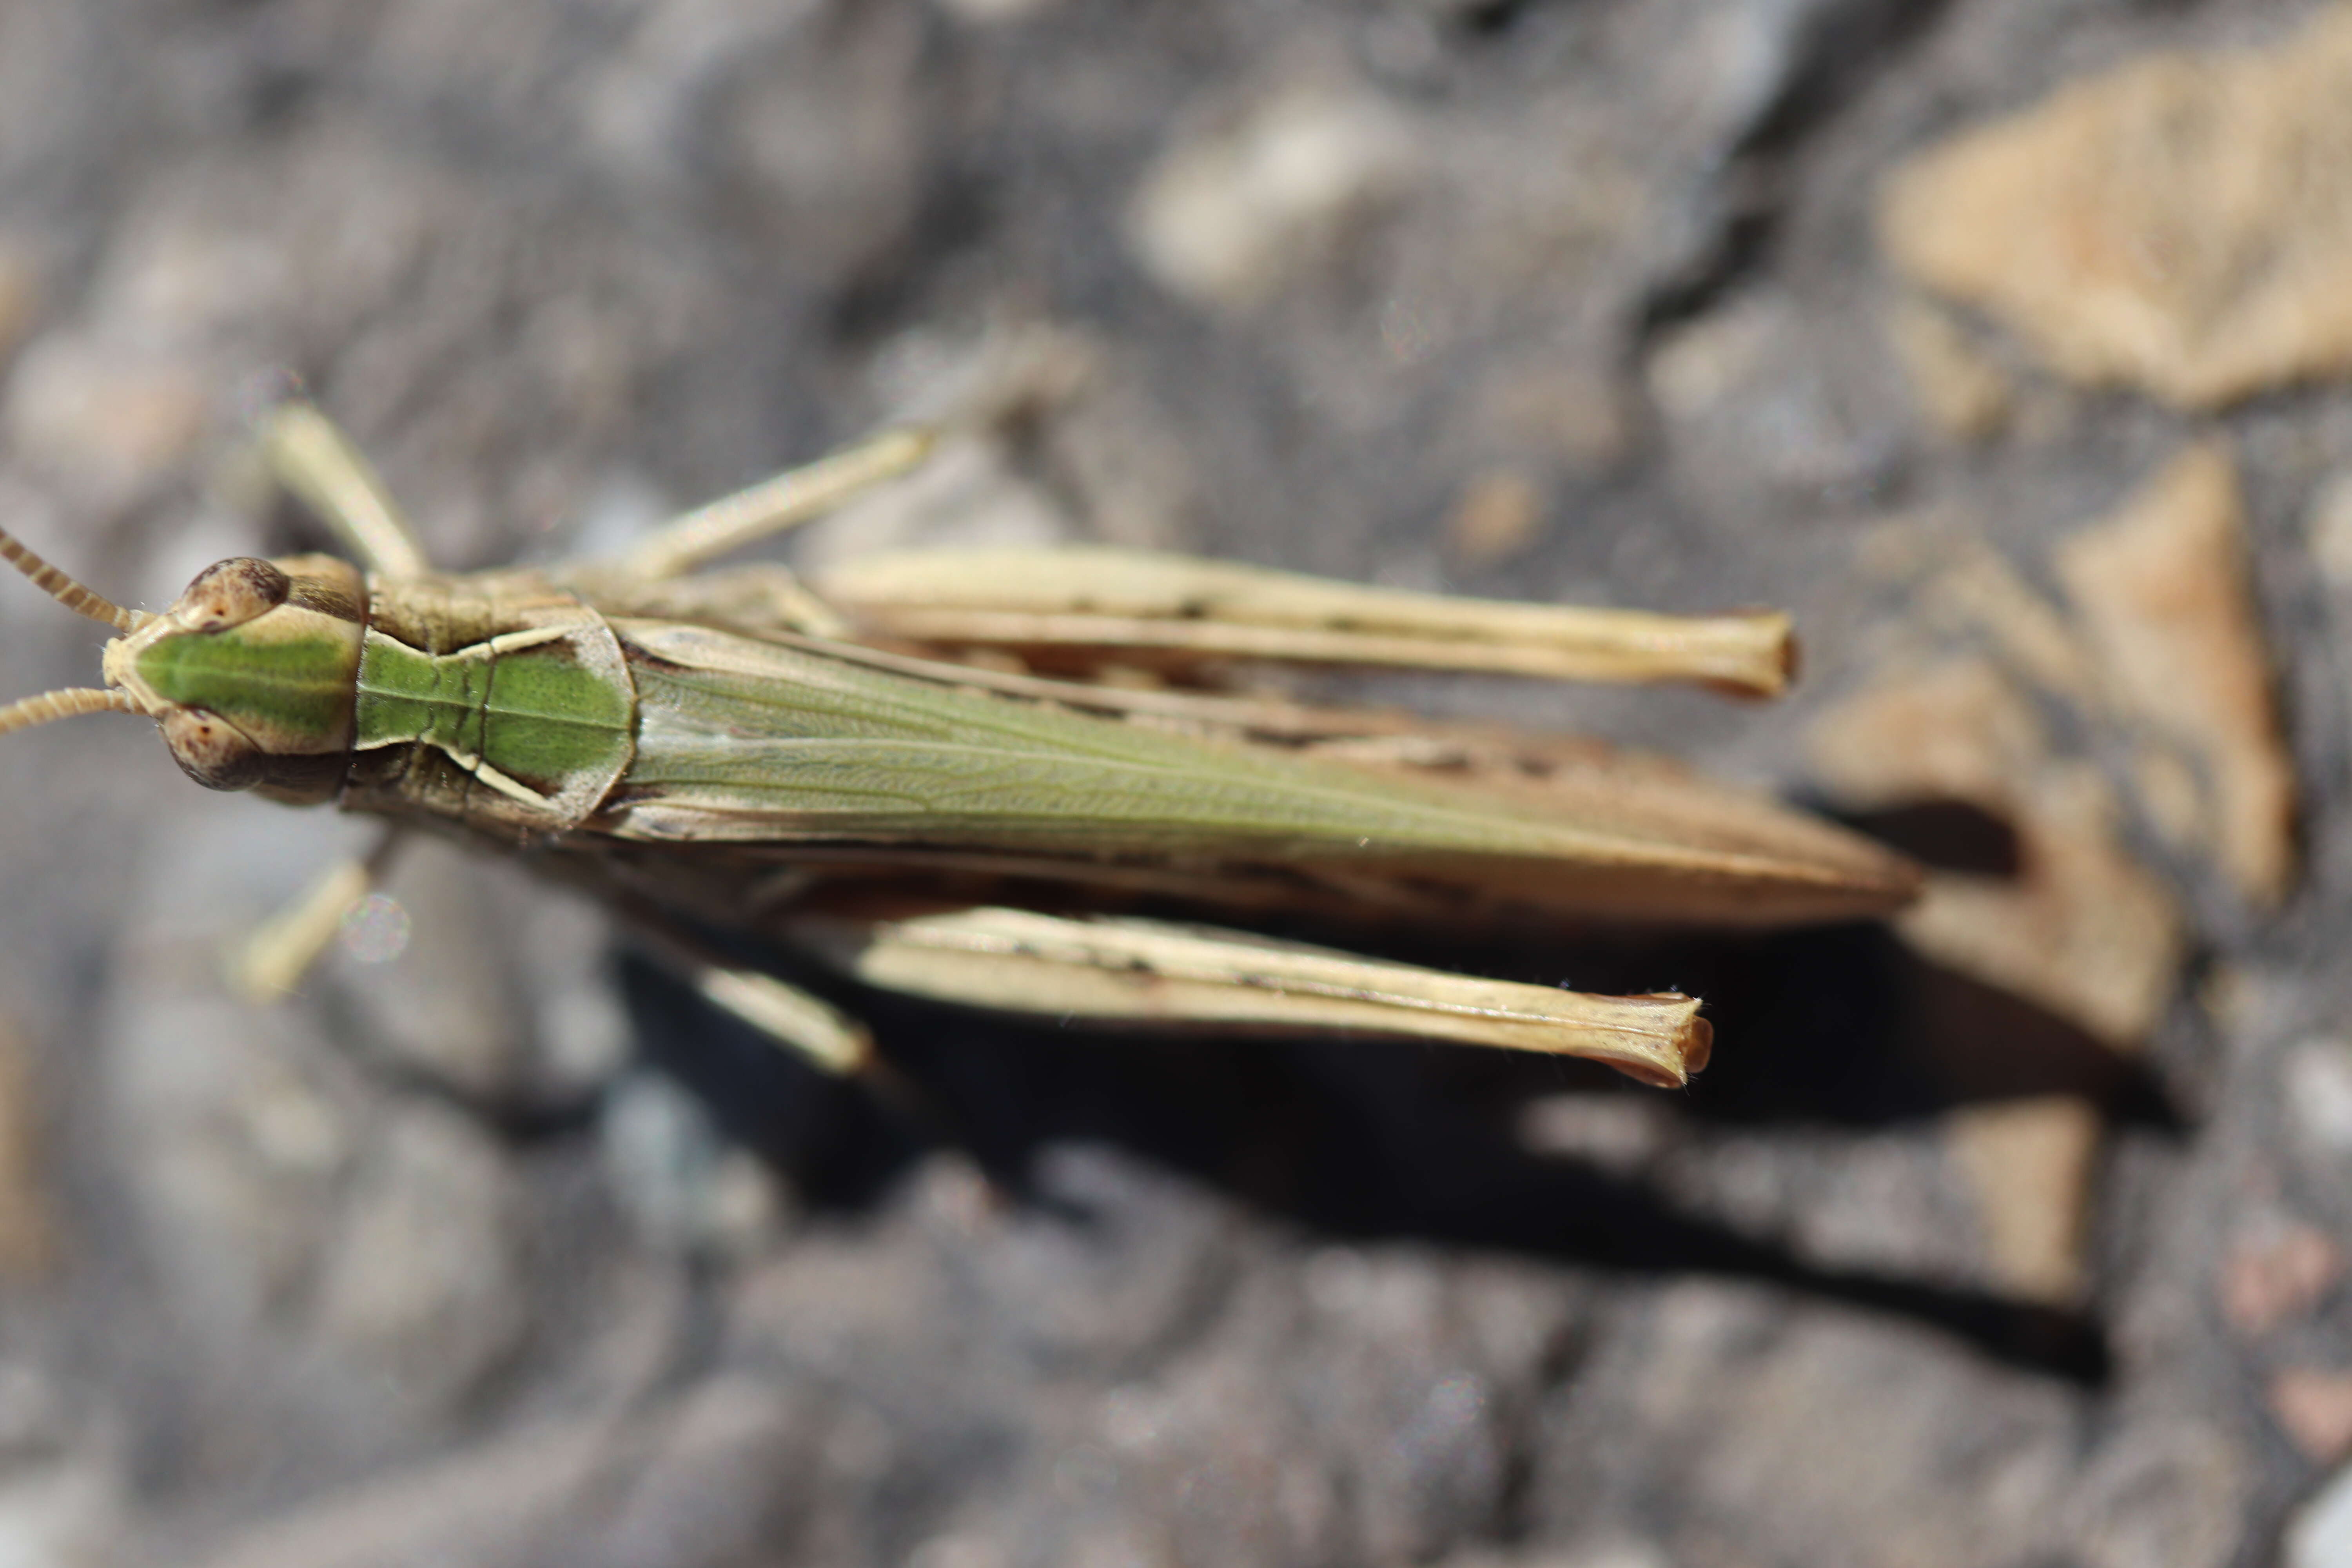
point(2315, 1408)
point(1576, 415)
point(2165, 603)
point(1963, 393)
point(2276, 1275)
point(1497, 517)
point(2181, 223)
point(2081, 928)
point(2028, 1164)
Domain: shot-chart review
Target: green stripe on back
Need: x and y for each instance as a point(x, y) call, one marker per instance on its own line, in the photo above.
point(535, 714)
point(550, 719)
point(297, 688)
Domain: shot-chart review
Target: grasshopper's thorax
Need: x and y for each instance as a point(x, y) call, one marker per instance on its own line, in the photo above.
point(496, 700)
point(252, 674)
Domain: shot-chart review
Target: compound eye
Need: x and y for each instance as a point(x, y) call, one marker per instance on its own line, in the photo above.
point(212, 753)
point(230, 593)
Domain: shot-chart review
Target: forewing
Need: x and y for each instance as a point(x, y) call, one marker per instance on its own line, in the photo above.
point(795, 746)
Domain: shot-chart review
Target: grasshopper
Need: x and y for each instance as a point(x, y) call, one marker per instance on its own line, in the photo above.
point(869, 766)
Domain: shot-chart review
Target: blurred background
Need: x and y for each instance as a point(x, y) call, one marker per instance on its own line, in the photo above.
point(2003, 341)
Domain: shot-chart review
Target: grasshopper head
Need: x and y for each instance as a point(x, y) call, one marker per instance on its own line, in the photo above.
point(251, 674)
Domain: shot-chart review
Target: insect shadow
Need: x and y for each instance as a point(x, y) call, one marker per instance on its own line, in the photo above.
point(1374, 1140)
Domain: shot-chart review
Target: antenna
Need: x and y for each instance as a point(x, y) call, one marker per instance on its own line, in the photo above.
point(51, 706)
point(61, 587)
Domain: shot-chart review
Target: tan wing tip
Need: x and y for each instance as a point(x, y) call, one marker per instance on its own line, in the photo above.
point(1906, 879)
point(1888, 883)
point(1846, 876)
